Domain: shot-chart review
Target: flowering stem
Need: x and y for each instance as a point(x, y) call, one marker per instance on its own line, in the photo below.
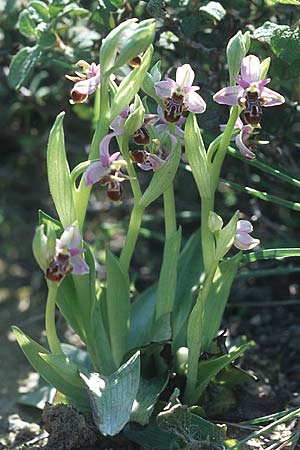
point(132, 235)
point(53, 340)
point(222, 150)
point(82, 195)
point(194, 336)
point(169, 211)
point(137, 211)
point(207, 238)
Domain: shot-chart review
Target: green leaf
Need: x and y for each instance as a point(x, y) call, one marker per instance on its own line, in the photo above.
point(214, 10)
point(59, 174)
point(150, 437)
point(265, 32)
point(22, 65)
point(168, 275)
point(118, 306)
point(39, 397)
point(47, 39)
point(290, 2)
point(141, 318)
point(27, 24)
point(162, 178)
point(210, 368)
point(41, 10)
point(191, 429)
point(285, 43)
point(196, 155)
point(45, 219)
point(64, 367)
point(147, 396)
point(73, 8)
point(112, 397)
point(217, 299)
point(271, 253)
point(33, 351)
point(130, 85)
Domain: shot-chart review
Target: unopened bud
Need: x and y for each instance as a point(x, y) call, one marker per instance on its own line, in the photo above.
point(236, 51)
point(215, 222)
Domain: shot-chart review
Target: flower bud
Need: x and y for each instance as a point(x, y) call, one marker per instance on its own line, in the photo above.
point(236, 51)
point(125, 43)
point(136, 117)
point(215, 222)
point(40, 248)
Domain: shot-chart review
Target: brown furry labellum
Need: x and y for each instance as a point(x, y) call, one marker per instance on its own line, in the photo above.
point(174, 107)
point(59, 267)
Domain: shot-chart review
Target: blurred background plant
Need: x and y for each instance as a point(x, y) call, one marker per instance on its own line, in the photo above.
point(42, 40)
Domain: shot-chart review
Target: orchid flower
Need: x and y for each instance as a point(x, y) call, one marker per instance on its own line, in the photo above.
point(249, 82)
point(180, 95)
point(67, 257)
point(146, 160)
point(86, 82)
point(243, 240)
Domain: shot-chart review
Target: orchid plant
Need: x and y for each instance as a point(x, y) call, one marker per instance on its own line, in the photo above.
point(122, 371)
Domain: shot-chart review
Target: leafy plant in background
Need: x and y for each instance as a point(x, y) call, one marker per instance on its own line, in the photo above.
point(148, 360)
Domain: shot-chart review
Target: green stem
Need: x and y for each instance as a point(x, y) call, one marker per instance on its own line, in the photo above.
point(195, 326)
point(222, 150)
point(137, 211)
point(53, 340)
point(207, 238)
point(170, 211)
point(82, 194)
point(132, 235)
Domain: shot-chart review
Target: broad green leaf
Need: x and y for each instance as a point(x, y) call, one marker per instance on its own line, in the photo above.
point(217, 299)
point(22, 65)
point(130, 85)
point(98, 341)
point(64, 367)
point(196, 155)
point(27, 25)
point(168, 275)
point(112, 397)
point(150, 437)
point(118, 307)
point(290, 2)
point(210, 368)
point(39, 397)
point(77, 356)
point(141, 318)
point(285, 43)
point(47, 39)
point(32, 351)
point(162, 178)
point(161, 329)
point(59, 174)
point(40, 9)
point(147, 396)
point(214, 10)
point(191, 428)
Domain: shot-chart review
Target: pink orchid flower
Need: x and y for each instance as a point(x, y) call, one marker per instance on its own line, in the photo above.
point(180, 95)
point(243, 240)
point(67, 257)
point(249, 82)
point(86, 82)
